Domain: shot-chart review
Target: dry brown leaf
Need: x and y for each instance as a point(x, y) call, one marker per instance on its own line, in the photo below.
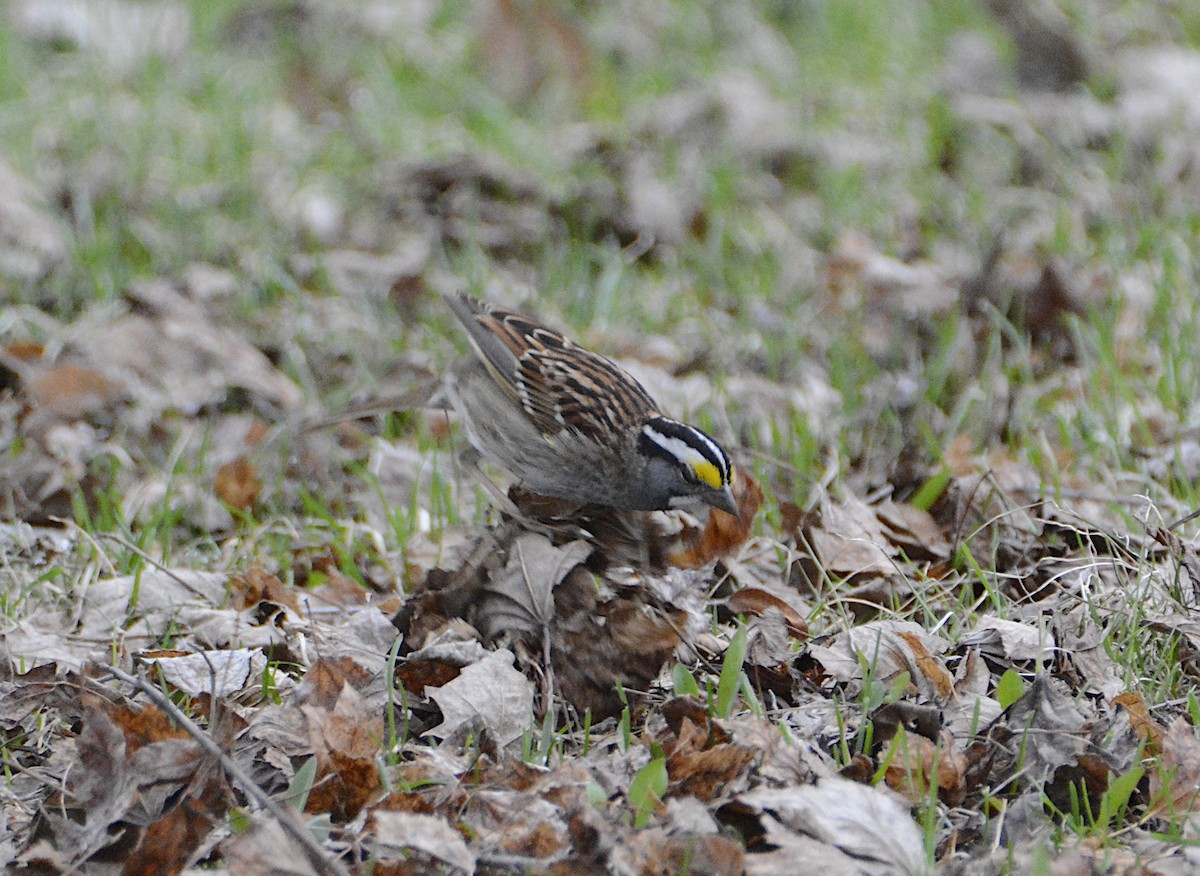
point(528, 44)
point(597, 638)
point(170, 354)
point(345, 740)
point(599, 642)
point(141, 788)
point(917, 719)
point(860, 769)
point(757, 601)
point(323, 683)
point(1147, 728)
point(915, 764)
point(237, 484)
point(68, 392)
point(913, 530)
point(681, 713)
point(336, 588)
point(702, 762)
point(256, 585)
point(845, 540)
point(929, 666)
point(960, 456)
point(887, 646)
point(706, 774)
point(415, 675)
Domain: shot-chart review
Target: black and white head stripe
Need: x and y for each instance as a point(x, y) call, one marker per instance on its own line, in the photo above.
point(688, 447)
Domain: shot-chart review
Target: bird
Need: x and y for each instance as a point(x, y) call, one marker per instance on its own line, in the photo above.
point(574, 425)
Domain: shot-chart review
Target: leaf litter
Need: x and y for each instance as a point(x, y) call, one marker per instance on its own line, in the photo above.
point(927, 676)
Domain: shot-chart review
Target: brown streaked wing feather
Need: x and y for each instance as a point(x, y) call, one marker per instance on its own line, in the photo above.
point(572, 388)
point(560, 384)
point(492, 346)
point(518, 333)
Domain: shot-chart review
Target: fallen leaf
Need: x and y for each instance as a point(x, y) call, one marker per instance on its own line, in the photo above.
point(866, 823)
point(520, 597)
point(1148, 729)
point(237, 484)
point(1175, 788)
point(757, 601)
point(219, 673)
point(913, 530)
point(1012, 640)
point(398, 834)
point(657, 851)
point(915, 764)
point(346, 740)
point(929, 666)
point(890, 648)
point(490, 693)
point(265, 848)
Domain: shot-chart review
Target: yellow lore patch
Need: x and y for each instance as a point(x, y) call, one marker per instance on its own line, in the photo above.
point(708, 473)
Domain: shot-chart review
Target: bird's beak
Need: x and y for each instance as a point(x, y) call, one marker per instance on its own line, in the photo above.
point(725, 501)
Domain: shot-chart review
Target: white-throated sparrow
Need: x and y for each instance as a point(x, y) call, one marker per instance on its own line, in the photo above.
point(571, 423)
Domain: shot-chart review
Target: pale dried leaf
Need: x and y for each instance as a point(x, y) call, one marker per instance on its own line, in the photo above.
point(266, 850)
point(971, 707)
point(913, 530)
point(396, 832)
point(172, 354)
point(845, 557)
point(42, 639)
point(521, 595)
point(1052, 725)
point(759, 601)
point(864, 822)
point(1176, 788)
point(365, 635)
point(1021, 642)
point(155, 596)
point(891, 647)
point(220, 673)
point(1082, 646)
point(453, 652)
point(849, 540)
point(491, 693)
